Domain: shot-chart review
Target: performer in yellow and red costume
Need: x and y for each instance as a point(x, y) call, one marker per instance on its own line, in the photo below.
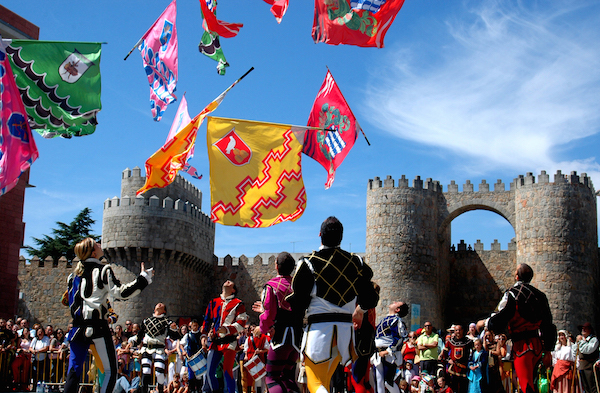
point(225, 318)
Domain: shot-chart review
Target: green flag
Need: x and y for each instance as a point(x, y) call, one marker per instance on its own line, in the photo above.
point(59, 83)
point(211, 47)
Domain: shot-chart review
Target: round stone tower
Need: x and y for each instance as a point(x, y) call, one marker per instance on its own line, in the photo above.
point(557, 235)
point(165, 229)
point(404, 249)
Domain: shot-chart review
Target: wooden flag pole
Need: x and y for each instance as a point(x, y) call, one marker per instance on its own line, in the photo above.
point(359, 127)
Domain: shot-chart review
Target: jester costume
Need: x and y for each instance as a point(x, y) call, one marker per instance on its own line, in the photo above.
point(228, 312)
point(285, 343)
point(87, 298)
point(328, 285)
point(152, 335)
point(525, 313)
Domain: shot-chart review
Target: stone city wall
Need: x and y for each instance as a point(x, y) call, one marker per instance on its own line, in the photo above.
point(408, 232)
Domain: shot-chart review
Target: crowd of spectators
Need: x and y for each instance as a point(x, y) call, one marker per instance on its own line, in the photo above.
point(423, 361)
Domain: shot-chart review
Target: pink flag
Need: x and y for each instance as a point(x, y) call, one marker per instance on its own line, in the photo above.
point(159, 55)
point(182, 119)
point(278, 8)
point(17, 146)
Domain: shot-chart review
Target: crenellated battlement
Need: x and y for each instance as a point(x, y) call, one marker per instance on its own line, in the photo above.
point(478, 246)
point(555, 224)
point(132, 180)
point(484, 186)
point(136, 172)
point(48, 262)
point(143, 205)
point(417, 183)
point(259, 260)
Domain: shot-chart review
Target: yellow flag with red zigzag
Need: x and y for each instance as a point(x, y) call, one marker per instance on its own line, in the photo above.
point(255, 172)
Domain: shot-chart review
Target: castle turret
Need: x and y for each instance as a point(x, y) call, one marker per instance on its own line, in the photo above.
point(403, 244)
point(408, 243)
point(557, 235)
point(166, 229)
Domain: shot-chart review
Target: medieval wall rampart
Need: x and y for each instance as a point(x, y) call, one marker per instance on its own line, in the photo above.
point(41, 284)
point(478, 278)
point(555, 226)
point(166, 229)
point(47, 280)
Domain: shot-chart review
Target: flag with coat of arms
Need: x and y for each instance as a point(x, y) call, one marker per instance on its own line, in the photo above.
point(255, 172)
point(337, 129)
point(59, 83)
point(354, 22)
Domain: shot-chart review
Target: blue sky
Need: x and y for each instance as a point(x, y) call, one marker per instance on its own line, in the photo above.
point(462, 90)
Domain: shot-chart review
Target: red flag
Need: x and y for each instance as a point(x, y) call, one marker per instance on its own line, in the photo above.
point(213, 25)
point(330, 145)
point(354, 22)
point(278, 8)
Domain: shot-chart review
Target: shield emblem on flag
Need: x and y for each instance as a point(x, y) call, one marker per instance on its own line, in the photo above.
point(234, 148)
point(74, 67)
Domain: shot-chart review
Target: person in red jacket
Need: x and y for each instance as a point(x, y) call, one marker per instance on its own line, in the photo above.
point(225, 318)
point(524, 312)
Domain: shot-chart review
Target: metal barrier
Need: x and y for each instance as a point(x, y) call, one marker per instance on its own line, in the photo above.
point(22, 371)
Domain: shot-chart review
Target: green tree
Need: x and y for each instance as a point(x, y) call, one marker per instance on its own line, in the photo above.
point(64, 238)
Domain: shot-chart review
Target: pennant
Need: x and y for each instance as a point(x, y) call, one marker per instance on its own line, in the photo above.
point(278, 8)
point(211, 47)
point(17, 146)
point(338, 129)
point(255, 173)
point(354, 22)
point(159, 55)
point(59, 83)
point(162, 166)
point(182, 118)
point(212, 25)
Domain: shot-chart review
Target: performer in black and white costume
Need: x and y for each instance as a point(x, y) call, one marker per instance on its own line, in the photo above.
point(89, 287)
point(152, 335)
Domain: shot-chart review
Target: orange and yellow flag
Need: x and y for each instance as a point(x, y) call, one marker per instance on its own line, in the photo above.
point(162, 166)
point(255, 172)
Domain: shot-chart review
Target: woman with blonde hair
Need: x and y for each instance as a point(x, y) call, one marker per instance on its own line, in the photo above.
point(563, 361)
point(89, 287)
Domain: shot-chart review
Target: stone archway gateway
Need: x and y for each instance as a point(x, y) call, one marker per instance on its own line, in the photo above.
point(408, 239)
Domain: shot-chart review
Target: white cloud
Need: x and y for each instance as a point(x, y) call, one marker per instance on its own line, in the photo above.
point(512, 85)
